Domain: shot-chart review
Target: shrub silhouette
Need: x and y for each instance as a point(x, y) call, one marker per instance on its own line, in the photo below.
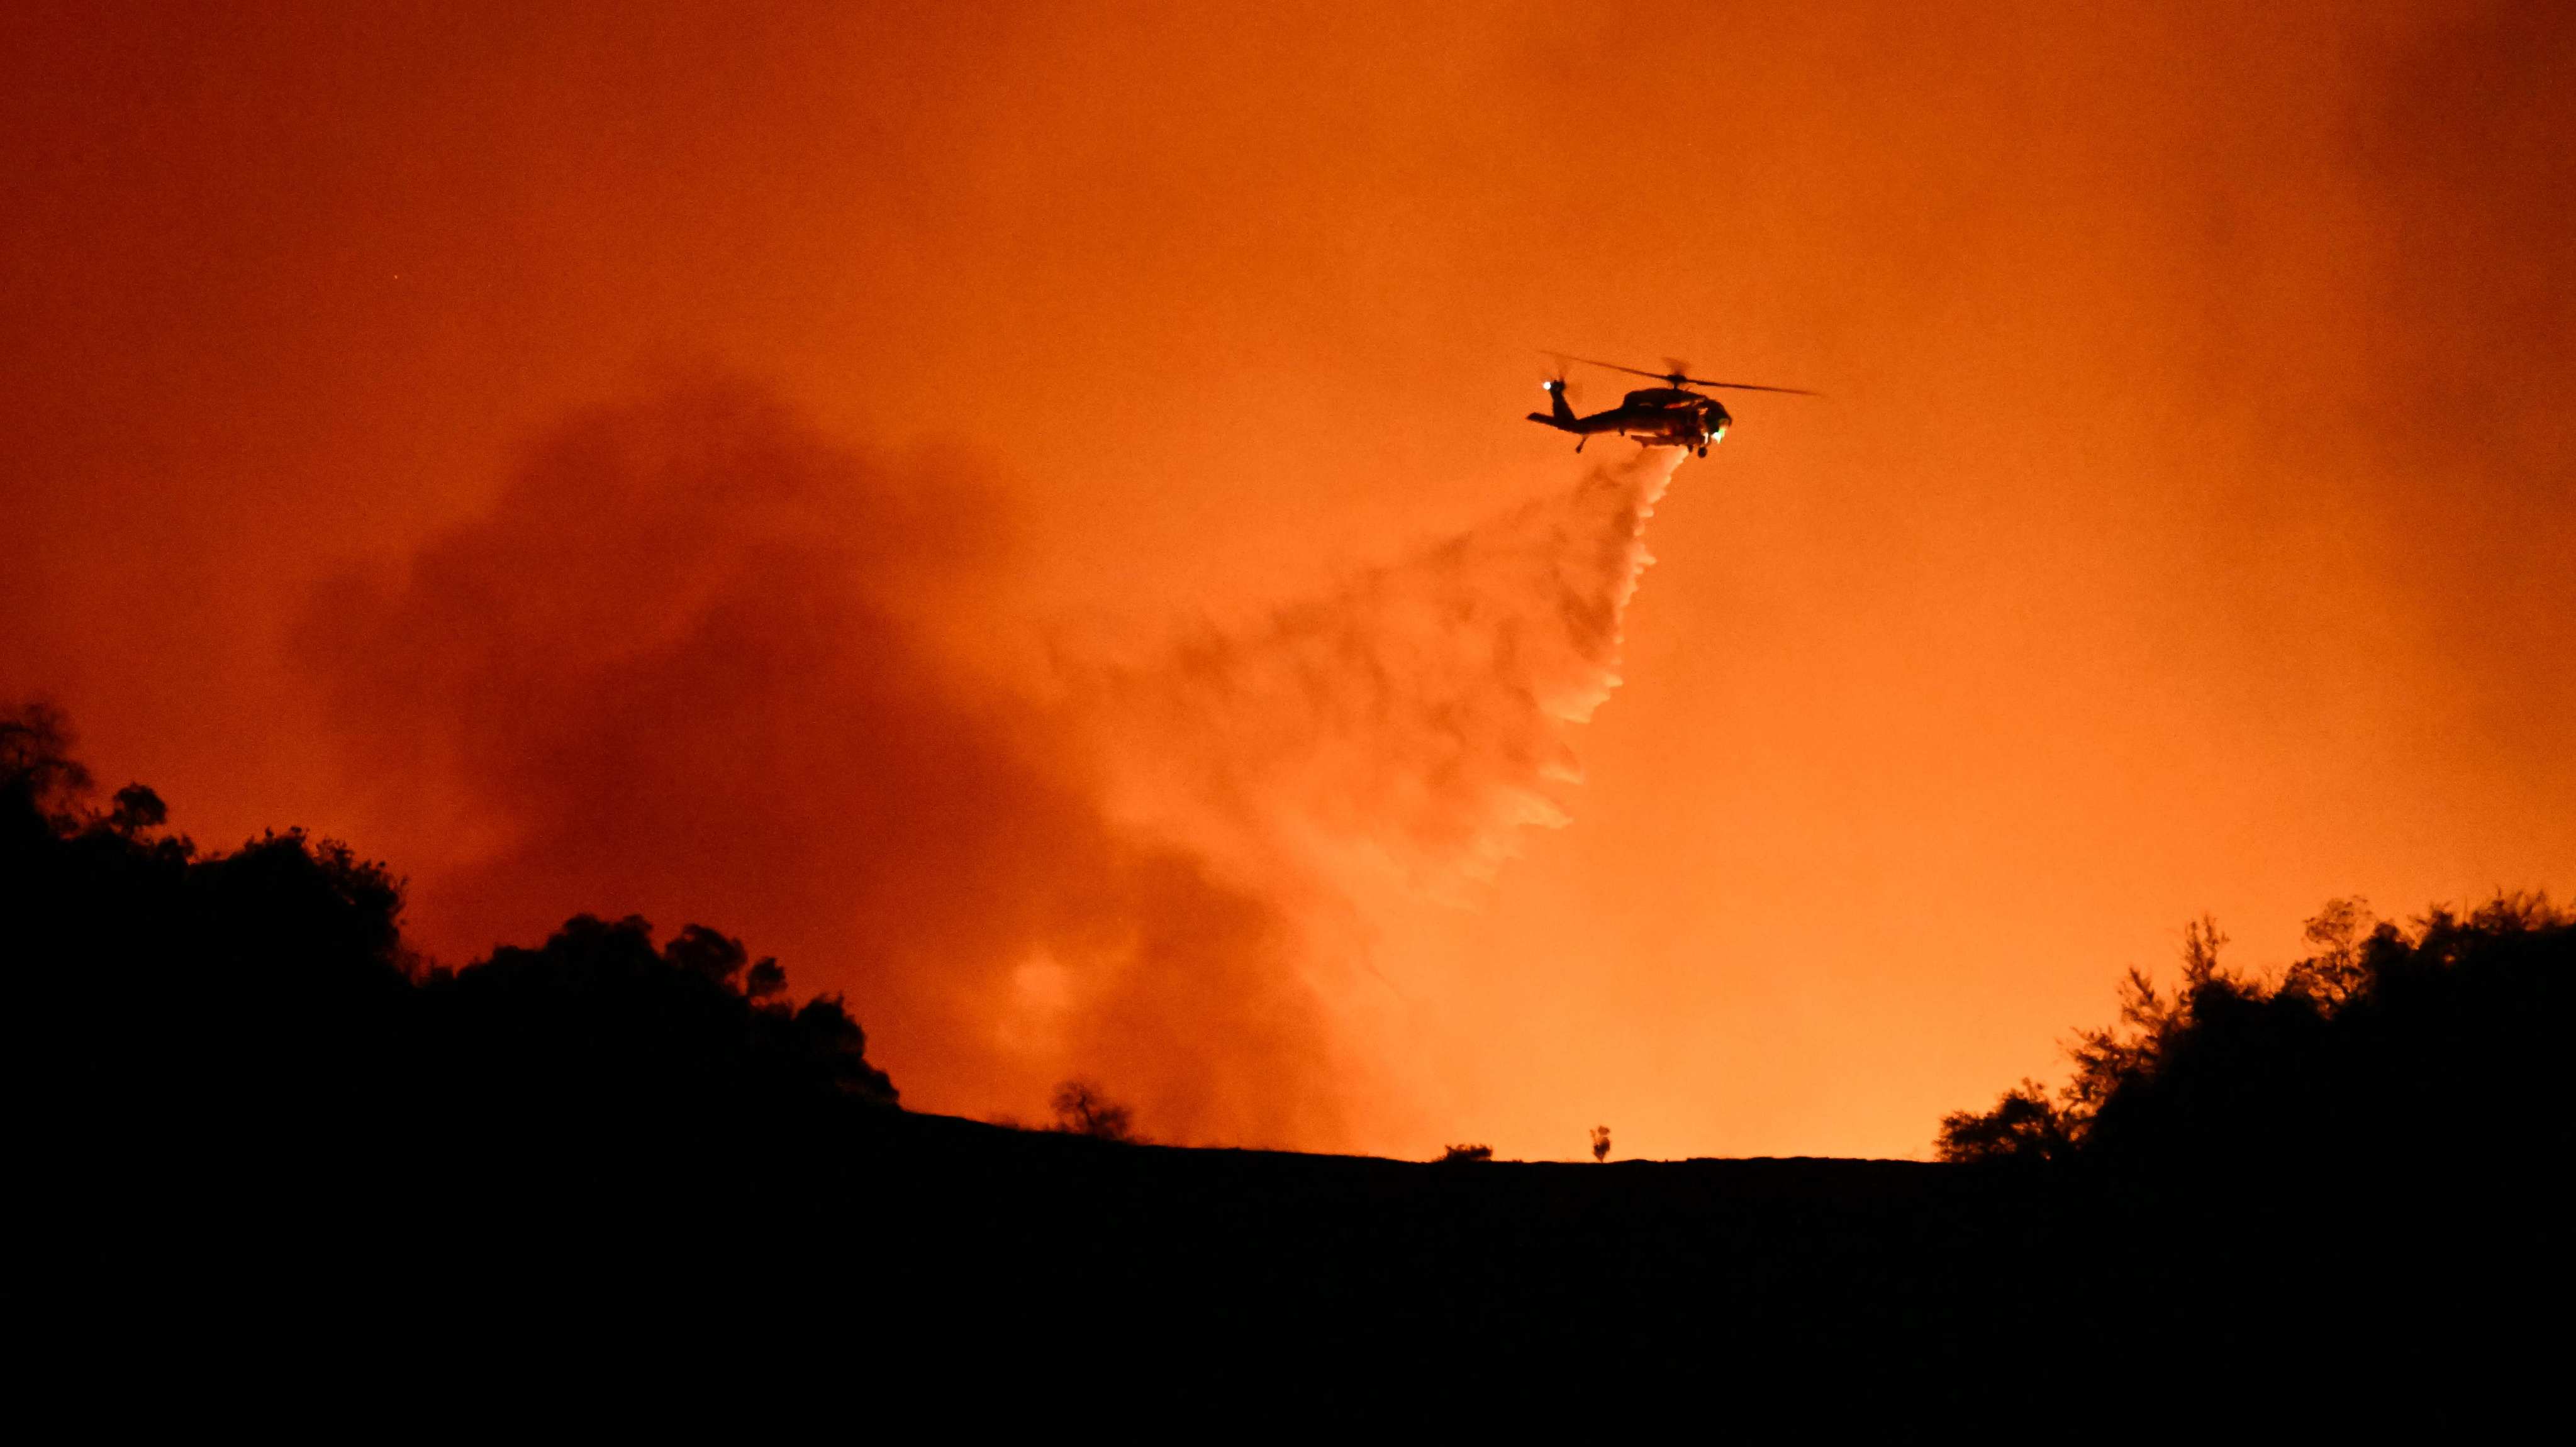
point(1082, 1108)
point(2024, 1125)
point(1455, 1154)
point(1600, 1143)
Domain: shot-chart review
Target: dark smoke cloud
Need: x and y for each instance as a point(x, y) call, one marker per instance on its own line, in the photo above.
point(688, 666)
point(2464, 146)
point(699, 664)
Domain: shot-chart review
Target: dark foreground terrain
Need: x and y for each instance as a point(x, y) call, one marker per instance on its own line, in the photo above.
point(267, 1149)
point(895, 1246)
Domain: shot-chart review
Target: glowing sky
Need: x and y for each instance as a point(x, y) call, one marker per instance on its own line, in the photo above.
point(2185, 526)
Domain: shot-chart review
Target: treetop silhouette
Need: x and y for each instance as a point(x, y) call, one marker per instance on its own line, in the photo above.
point(2430, 1039)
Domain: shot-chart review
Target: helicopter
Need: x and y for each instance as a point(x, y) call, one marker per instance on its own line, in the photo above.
point(1667, 416)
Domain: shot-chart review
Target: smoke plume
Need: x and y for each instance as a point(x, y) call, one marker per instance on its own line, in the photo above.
point(1419, 711)
point(698, 663)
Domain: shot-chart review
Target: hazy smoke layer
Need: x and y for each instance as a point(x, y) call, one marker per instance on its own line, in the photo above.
point(690, 665)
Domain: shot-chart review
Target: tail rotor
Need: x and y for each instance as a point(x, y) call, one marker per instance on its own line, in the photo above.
point(1559, 413)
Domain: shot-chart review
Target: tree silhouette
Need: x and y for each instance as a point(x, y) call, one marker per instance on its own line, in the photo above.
point(1082, 1108)
point(1600, 1143)
point(268, 987)
point(2024, 1125)
point(602, 1007)
point(36, 767)
point(2421, 1040)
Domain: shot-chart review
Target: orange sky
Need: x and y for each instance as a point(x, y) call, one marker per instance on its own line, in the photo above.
point(2184, 528)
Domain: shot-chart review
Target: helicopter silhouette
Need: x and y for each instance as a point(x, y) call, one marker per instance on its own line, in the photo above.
point(1667, 416)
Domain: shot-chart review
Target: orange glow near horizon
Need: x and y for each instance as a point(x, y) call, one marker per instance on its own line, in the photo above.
point(1023, 512)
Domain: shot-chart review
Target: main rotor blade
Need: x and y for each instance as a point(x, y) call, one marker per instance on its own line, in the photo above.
point(1613, 366)
point(1678, 379)
point(1751, 387)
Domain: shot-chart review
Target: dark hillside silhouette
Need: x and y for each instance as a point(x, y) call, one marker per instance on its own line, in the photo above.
point(174, 987)
point(2369, 1149)
point(247, 1090)
point(253, 1020)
